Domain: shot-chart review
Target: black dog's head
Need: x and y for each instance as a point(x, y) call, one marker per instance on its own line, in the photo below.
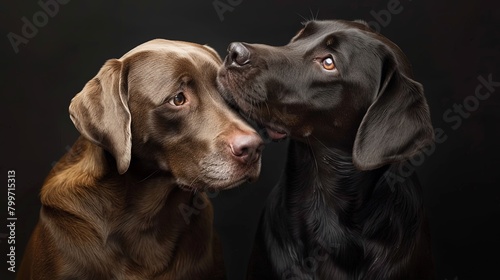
point(336, 82)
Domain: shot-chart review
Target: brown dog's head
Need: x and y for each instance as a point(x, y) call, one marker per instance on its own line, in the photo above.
point(338, 83)
point(158, 107)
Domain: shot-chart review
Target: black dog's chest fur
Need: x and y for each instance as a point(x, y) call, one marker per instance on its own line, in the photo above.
point(328, 219)
point(340, 224)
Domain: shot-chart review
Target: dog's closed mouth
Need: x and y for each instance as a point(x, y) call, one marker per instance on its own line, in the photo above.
point(276, 134)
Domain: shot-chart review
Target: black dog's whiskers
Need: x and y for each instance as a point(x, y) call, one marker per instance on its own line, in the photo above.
point(342, 141)
point(313, 155)
point(304, 19)
point(313, 17)
point(267, 107)
point(149, 176)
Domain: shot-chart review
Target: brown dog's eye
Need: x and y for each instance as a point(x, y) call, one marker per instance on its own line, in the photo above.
point(178, 100)
point(328, 63)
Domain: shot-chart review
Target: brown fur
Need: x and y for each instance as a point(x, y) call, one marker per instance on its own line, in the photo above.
point(112, 206)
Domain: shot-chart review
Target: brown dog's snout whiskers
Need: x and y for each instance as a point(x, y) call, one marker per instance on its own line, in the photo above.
point(239, 55)
point(246, 147)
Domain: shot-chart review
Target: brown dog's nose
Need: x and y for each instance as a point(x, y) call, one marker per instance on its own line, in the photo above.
point(238, 54)
point(246, 147)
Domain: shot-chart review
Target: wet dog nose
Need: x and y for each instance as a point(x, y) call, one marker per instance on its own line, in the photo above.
point(238, 54)
point(246, 147)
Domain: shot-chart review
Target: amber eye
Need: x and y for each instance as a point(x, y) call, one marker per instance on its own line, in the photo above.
point(328, 63)
point(178, 100)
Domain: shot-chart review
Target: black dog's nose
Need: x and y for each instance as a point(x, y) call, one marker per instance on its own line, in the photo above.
point(238, 53)
point(246, 147)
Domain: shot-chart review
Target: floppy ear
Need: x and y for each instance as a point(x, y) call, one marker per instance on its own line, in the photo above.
point(100, 112)
point(397, 125)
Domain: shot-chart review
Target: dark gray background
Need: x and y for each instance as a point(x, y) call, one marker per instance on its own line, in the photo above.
point(450, 43)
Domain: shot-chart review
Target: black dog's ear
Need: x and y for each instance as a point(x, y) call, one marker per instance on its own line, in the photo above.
point(397, 125)
point(100, 112)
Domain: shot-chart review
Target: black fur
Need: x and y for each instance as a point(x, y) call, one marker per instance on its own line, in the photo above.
point(337, 213)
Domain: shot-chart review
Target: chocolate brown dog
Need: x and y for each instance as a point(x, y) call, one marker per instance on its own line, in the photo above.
point(127, 201)
point(345, 96)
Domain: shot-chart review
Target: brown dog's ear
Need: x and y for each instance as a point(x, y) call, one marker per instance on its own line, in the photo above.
point(100, 112)
point(397, 125)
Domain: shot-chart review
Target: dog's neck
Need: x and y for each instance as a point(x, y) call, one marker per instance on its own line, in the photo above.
point(152, 194)
point(88, 166)
point(144, 214)
point(337, 182)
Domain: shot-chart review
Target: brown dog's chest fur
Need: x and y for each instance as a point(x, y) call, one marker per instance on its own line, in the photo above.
point(99, 225)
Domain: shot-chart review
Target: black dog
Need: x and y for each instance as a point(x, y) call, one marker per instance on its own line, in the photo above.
point(344, 94)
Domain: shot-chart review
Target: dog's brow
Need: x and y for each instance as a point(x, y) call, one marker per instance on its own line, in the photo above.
point(306, 31)
point(329, 41)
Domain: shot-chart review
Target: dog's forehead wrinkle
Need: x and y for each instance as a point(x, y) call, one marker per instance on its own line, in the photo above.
point(169, 79)
point(334, 35)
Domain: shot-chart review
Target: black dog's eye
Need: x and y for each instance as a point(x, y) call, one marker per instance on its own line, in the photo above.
point(328, 63)
point(178, 100)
